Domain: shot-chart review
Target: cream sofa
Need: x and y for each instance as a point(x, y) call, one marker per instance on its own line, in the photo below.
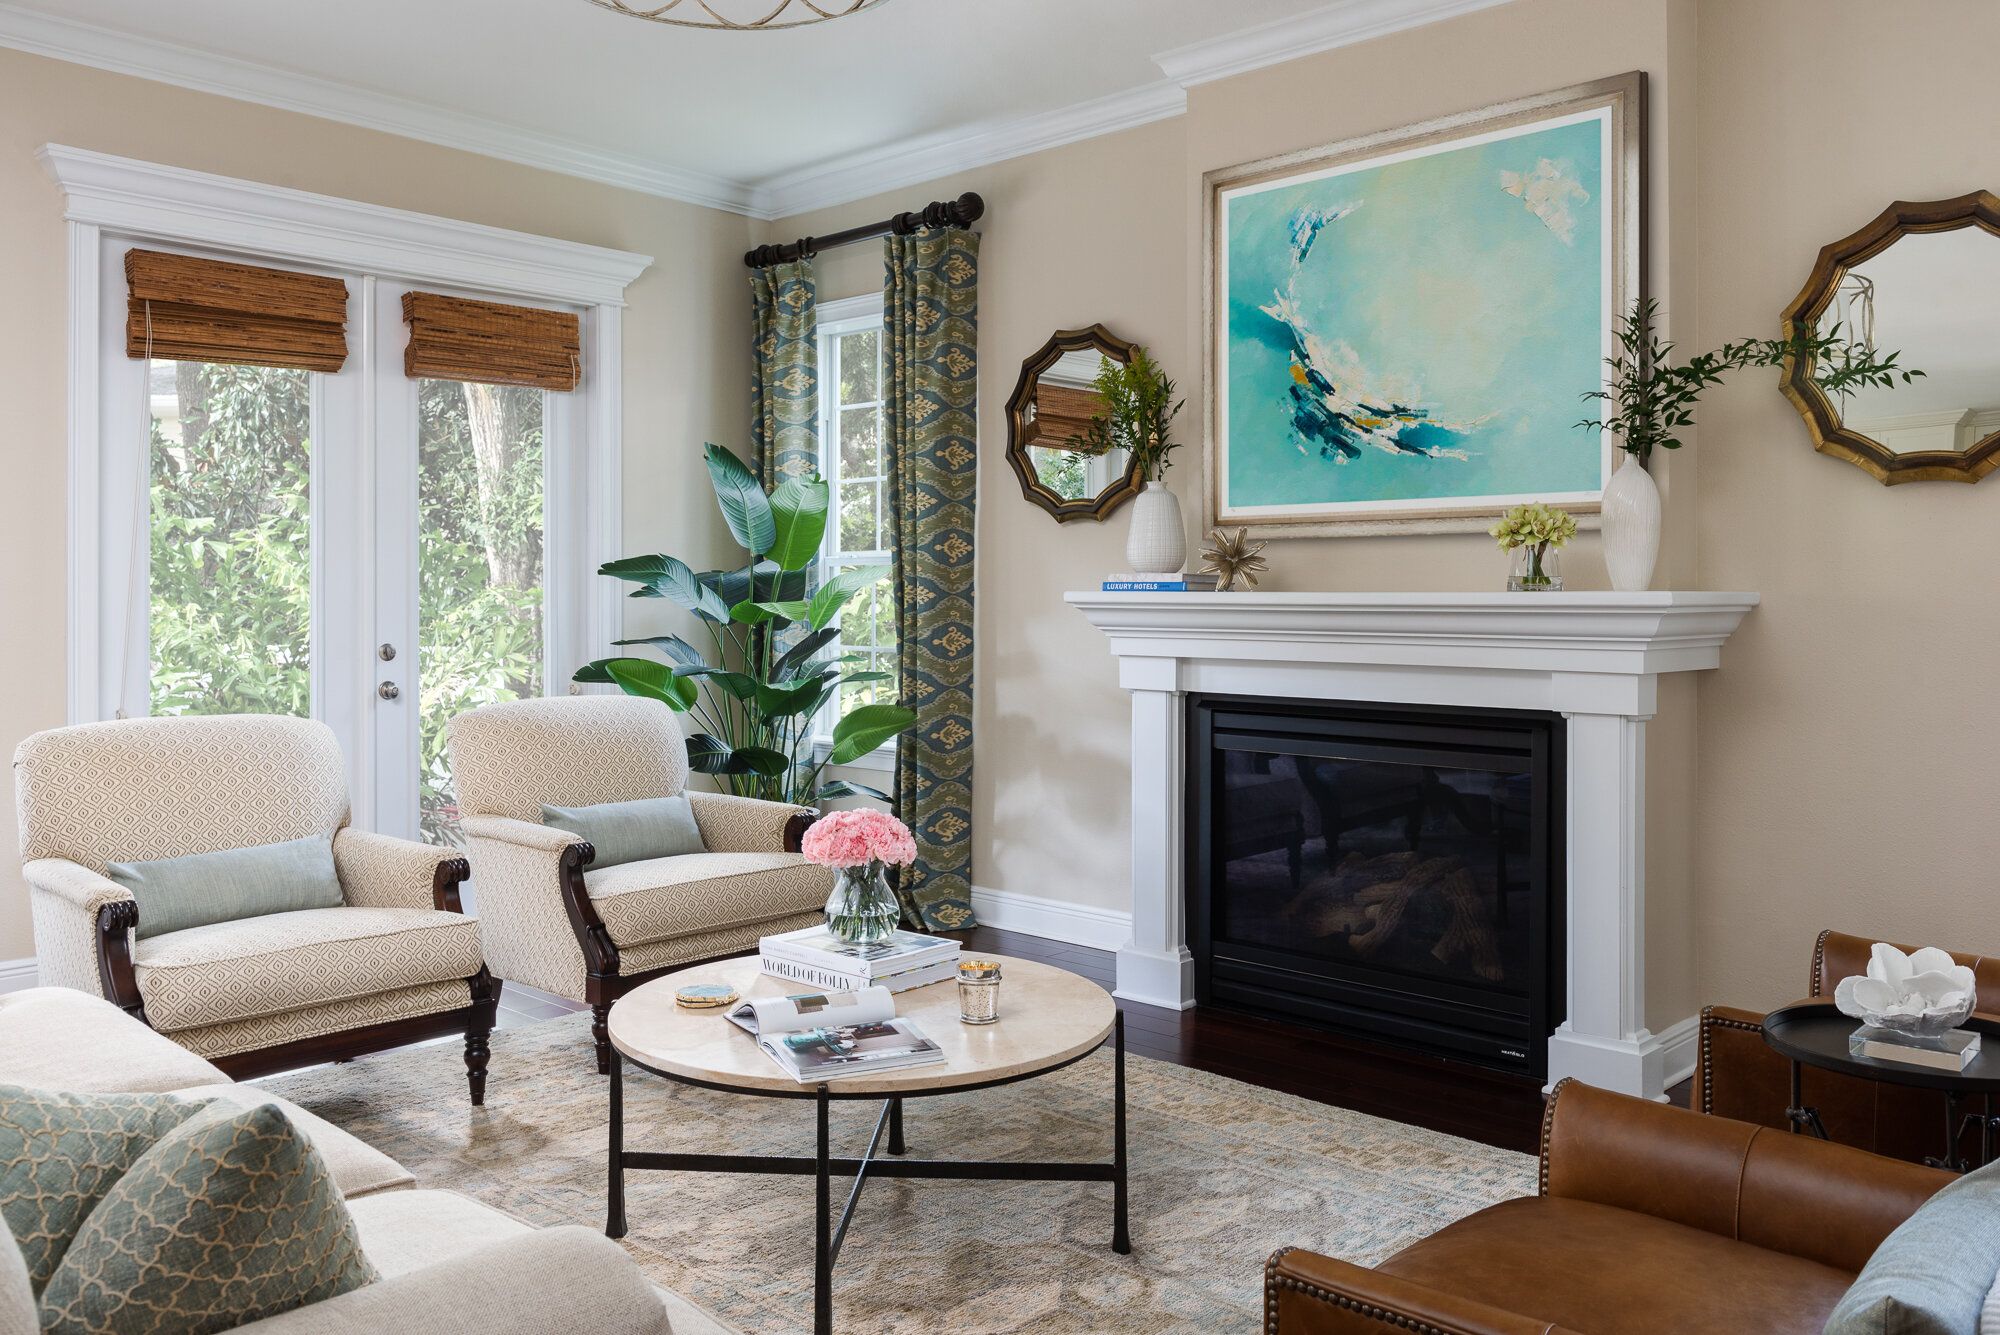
point(550, 920)
point(449, 1265)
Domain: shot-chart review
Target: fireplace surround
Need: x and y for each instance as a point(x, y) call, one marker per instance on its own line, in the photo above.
point(1596, 660)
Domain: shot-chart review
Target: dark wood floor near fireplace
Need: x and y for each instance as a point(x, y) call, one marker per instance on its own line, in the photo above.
point(1382, 1082)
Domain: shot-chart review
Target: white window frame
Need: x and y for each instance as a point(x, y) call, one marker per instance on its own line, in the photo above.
point(848, 315)
point(113, 203)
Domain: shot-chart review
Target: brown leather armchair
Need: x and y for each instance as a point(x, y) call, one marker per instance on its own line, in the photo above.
point(1740, 1076)
point(1650, 1218)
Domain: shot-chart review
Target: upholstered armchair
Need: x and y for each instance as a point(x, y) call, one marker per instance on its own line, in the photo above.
point(1742, 1076)
point(551, 921)
point(397, 962)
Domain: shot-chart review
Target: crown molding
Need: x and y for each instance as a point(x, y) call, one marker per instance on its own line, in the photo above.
point(931, 156)
point(1339, 24)
point(123, 195)
point(205, 72)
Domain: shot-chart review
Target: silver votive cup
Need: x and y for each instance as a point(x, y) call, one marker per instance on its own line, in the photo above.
point(978, 991)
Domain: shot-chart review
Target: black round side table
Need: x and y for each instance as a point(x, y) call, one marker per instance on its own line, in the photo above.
point(1815, 1033)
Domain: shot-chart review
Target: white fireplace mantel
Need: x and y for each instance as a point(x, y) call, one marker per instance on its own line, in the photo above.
point(1593, 657)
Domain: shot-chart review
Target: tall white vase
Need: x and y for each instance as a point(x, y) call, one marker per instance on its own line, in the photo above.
point(1158, 541)
point(1631, 527)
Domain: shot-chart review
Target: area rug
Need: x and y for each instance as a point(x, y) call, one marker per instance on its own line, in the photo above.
point(1222, 1174)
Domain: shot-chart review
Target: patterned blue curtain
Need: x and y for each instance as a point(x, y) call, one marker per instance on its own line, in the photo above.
point(930, 363)
point(784, 391)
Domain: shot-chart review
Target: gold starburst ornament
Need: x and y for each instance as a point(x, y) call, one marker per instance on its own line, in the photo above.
point(1232, 557)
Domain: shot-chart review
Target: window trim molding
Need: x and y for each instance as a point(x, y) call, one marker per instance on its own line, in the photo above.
point(113, 200)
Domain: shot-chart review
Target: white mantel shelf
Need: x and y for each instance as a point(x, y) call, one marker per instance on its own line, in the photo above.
point(1594, 657)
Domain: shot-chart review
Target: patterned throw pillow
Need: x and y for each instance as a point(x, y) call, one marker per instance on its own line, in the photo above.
point(59, 1155)
point(229, 1218)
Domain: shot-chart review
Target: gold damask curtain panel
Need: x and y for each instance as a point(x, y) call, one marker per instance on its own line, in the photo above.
point(784, 389)
point(930, 369)
point(184, 308)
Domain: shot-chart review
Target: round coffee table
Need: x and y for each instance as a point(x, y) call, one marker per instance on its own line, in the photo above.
point(1815, 1033)
point(1049, 1019)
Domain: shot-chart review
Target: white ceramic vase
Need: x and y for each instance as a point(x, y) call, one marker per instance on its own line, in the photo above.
point(1158, 541)
point(1631, 527)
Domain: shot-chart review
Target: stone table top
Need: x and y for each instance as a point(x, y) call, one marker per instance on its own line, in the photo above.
point(1047, 1017)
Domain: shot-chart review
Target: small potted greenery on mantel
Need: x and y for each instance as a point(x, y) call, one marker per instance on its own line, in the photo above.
point(1648, 401)
point(1138, 417)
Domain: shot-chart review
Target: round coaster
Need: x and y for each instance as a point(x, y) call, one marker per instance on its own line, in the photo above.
point(705, 996)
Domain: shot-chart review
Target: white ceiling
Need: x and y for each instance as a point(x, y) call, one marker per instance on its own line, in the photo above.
point(763, 123)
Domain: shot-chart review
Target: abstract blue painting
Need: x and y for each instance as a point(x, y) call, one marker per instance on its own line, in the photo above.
point(1412, 332)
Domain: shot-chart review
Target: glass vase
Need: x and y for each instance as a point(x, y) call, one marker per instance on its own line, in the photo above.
point(1537, 569)
point(862, 908)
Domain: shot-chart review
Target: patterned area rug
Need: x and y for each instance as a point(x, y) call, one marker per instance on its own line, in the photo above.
point(1222, 1174)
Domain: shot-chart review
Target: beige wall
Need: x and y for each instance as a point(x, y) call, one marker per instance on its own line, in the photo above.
point(686, 332)
point(1848, 741)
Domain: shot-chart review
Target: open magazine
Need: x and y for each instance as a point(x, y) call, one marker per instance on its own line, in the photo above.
point(819, 1036)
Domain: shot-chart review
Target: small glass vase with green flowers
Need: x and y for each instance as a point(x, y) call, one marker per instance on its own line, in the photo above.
point(1534, 533)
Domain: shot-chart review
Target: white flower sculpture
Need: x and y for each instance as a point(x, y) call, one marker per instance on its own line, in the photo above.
point(1924, 993)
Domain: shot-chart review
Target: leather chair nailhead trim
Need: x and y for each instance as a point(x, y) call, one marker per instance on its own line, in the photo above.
point(1819, 962)
point(1274, 1281)
point(1548, 1130)
point(1710, 1020)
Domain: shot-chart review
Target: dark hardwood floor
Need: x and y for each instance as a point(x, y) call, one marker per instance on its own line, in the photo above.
point(1382, 1082)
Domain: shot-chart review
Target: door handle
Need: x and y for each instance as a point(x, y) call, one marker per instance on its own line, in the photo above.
point(388, 690)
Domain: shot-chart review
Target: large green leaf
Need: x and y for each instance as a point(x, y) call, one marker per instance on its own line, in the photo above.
point(744, 504)
point(707, 755)
point(734, 586)
point(864, 729)
point(796, 656)
point(867, 676)
point(799, 507)
point(776, 702)
point(655, 681)
point(666, 577)
point(756, 614)
point(739, 684)
point(848, 788)
point(674, 647)
point(833, 595)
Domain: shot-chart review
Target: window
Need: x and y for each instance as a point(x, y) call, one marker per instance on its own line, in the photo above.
point(854, 462)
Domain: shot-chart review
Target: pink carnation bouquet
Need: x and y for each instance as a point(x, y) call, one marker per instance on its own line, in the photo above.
point(858, 838)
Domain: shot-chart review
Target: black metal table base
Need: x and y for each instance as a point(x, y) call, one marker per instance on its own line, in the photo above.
point(822, 1165)
point(1806, 1118)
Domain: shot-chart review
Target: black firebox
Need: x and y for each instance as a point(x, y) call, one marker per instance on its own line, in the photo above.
point(1390, 873)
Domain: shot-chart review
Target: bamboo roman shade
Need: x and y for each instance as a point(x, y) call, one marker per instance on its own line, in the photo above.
point(490, 343)
point(181, 308)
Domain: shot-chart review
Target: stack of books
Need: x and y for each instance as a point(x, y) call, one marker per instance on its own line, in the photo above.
point(1181, 583)
point(818, 958)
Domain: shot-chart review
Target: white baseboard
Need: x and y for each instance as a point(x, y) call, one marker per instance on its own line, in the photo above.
point(1053, 919)
point(1680, 1050)
point(17, 975)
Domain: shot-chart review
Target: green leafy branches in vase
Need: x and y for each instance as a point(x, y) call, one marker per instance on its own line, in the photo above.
point(1536, 532)
point(754, 700)
point(1136, 414)
point(1649, 401)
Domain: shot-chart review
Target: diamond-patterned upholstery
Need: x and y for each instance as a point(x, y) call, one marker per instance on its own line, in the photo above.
point(659, 898)
point(140, 789)
point(288, 961)
point(509, 759)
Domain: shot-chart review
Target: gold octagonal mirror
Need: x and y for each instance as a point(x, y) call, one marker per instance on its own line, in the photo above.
point(1922, 279)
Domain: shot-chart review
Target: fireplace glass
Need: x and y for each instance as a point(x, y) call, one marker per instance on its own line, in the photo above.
point(1386, 873)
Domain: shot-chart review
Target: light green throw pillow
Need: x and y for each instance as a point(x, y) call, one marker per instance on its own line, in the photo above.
point(60, 1154)
point(1930, 1276)
point(652, 827)
point(229, 1218)
point(176, 893)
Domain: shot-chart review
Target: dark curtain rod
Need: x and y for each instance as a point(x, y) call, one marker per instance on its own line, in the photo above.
point(961, 212)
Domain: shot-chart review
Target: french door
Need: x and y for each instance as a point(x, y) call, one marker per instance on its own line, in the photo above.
point(361, 547)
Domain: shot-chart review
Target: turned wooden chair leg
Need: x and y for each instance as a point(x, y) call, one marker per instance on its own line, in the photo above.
point(478, 1029)
point(600, 1032)
point(477, 1052)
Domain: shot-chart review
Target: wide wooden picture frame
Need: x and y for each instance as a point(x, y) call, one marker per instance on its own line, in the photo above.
point(1400, 328)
